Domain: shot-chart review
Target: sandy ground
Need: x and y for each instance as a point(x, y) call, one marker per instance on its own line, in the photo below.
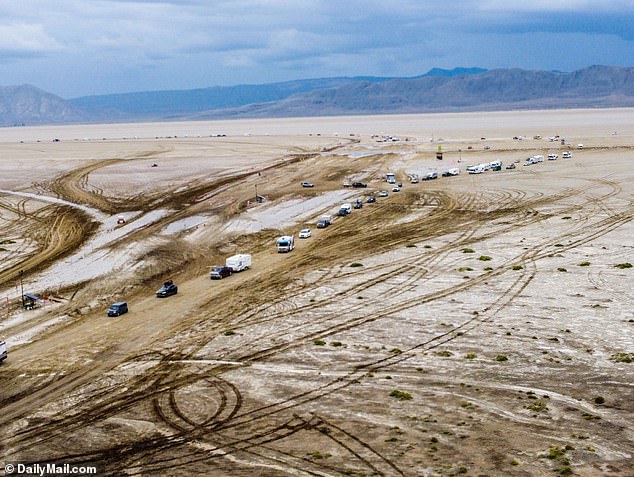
point(474, 325)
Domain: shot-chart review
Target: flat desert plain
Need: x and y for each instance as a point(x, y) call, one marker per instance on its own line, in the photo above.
point(477, 325)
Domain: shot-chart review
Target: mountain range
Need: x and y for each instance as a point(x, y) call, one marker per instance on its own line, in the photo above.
point(460, 89)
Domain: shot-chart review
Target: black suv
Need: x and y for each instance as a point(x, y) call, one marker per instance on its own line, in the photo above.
point(359, 185)
point(371, 199)
point(358, 204)
point(168, 289)
point(218, 273)
point(117, 309)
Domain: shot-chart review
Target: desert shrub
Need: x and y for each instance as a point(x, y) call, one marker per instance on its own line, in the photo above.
point(468, 250)
point(622, 357)
point(444, 353)
point(356, 264)
point(229, 333)
point(623, 265)
point(396, 351)
point(427, 246)
point(401, 395)
point(319, 342)
point(516, 267)
point(465, 269)
point(501, 357)
point(470, 356)
point(336, 344)
point(488, 269)
point(484, 258)
point(318, 455)
point(584, 264)
point(538, 406)
point(411, 245)
point(561, 269)
point(599, 400)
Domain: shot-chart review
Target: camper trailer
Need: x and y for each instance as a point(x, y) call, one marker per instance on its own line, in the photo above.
point(239, 262)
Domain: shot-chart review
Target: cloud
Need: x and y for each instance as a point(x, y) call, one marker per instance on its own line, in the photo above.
point(183, 42)
point(23, 39)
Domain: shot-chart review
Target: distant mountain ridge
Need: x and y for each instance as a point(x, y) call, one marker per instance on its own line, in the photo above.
point(459, 89)
point(26, 104)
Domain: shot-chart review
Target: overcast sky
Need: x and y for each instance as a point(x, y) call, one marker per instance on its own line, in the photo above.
point(81, 47)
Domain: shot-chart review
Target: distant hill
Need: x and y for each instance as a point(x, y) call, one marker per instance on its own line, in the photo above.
point(454, 72)
point(26, 104)
point(597, 86)
point(460, 89)
point(174, 104)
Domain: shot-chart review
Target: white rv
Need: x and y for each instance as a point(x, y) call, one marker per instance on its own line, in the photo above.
point(239, 262)
point(285, 243)
point(3, 350)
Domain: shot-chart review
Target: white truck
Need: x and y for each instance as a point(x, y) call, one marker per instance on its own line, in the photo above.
point(390, 177)
point(3, 350)
point(285, 243)
point(239, 262)
point(344, 209)
point(324, 221)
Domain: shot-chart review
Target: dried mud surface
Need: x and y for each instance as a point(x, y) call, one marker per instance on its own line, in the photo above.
point(464, 326)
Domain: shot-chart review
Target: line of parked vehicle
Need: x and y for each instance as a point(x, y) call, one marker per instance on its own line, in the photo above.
point(233, 264)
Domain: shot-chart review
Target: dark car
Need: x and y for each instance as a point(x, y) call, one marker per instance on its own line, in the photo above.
point(168, 289)
point(117, 309)
point(371, 199)
point(359, 185)
point(322, 224)
point(358, 204)
point(218, 273)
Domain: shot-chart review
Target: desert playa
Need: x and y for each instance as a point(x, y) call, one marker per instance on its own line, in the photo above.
point(475, 325)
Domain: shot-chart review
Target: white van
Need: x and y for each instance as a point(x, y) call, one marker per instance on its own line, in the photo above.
point(538, 158)
point(552, 157)
point(477, 169)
